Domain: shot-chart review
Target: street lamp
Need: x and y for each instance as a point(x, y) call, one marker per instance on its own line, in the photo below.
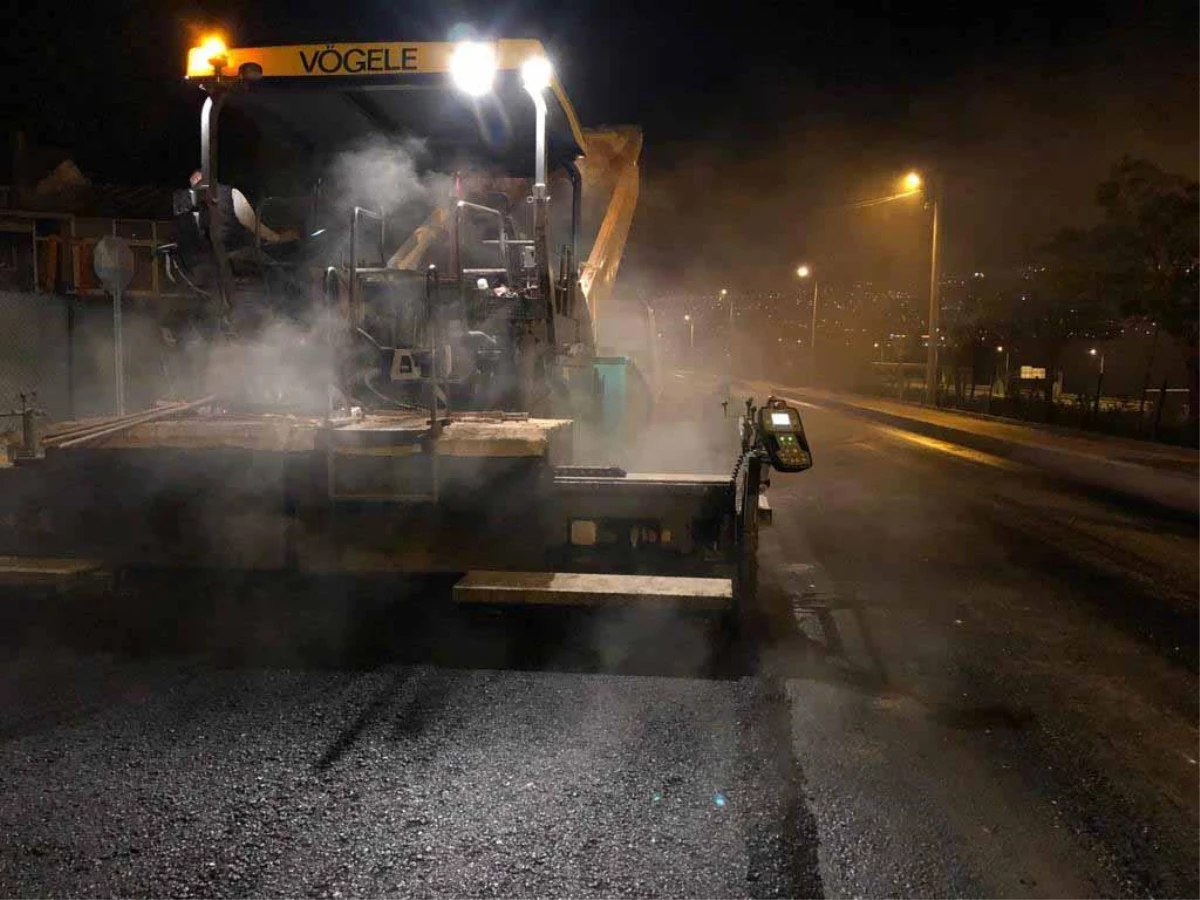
point(995, 371)
point(723, 293)
point(911, 184)
point(691, 333)
point(1099, 379)
point(914, 182)
point(802, 272)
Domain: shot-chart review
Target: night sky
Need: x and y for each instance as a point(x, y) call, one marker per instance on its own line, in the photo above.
point(761, 121)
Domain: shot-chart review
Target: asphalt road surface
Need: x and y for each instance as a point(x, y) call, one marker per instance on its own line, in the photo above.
point(964, 680)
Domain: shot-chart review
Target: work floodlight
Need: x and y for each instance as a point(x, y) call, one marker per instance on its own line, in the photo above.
point(536, 73)
point(473, 68)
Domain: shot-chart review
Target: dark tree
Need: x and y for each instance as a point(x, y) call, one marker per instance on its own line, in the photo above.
point(1149, 243)
point(1066, 297)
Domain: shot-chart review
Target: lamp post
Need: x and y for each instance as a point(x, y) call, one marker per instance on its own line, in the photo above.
point(691, 334)
point(995, 372)
point(536, 76)
point(913, 182)
point(912, 185)
point(806, 272)
point(1099, 380)
point(723, 295)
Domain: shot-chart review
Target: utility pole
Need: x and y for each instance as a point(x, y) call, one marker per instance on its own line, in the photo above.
point(1099, 381)
point(724, 296)
point(814, 315)
point(802, 273)
point(931, 358)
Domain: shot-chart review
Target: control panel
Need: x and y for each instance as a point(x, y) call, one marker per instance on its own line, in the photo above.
point(782, 436)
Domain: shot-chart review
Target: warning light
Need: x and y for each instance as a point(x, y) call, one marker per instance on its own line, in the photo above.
point(207, 58)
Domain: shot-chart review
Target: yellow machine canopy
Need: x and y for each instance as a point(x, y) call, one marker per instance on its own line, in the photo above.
point(466, 101)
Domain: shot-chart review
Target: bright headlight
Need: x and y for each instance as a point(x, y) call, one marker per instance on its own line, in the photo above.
point(536, 73)
point(473, 68)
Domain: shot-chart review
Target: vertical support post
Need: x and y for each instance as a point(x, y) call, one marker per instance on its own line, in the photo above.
point(576, 209)
point(539, 160)
point(931, 357)
point(331, 288)
point(813, 341)
point(70, 301)
point(572, 280)
point(37, 287)
point(1158, 408)
point(76, 262)
point(154, 284)
point(1146, 379)
point(118, 350)
point(353, 267)
point(433, 317)
point(746, 586)
point(31, 437)
point(541, 202)
point(209, 146)
point(456, 227)
point(208, 141)
point(730, 336)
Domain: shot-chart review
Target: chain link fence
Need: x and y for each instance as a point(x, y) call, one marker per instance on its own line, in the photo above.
point(34, 353)
point(61, 348)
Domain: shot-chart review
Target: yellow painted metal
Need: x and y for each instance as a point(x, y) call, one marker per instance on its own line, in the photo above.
point(594, 589)
point(611, 167)
point(362, 60)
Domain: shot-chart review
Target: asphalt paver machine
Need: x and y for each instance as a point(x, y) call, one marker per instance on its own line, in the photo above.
point(395, 366)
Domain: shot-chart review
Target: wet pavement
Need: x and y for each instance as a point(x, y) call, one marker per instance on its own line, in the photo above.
point(965, 679)
point(1008, 704)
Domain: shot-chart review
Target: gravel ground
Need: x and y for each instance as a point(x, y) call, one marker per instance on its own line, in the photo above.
point(176, 777)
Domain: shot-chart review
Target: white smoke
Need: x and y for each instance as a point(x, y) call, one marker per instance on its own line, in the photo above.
point(383, 174)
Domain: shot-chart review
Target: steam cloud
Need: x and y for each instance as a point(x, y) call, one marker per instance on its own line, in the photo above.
point(287, 362)
point(382, 173)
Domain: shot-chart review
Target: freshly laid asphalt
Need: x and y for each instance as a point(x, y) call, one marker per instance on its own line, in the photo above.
point(964, 679)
